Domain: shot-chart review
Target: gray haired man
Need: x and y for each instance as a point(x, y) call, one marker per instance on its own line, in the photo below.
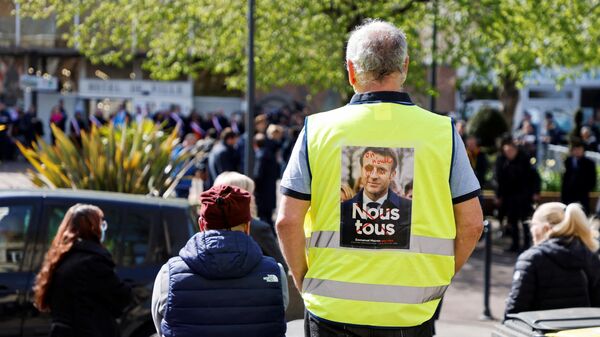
point(383, 271)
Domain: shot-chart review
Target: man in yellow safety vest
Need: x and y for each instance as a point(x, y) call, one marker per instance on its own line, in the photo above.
point(380, 206)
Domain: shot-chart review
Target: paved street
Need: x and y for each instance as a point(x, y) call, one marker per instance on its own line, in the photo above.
point(12, 175)
point(463, 303)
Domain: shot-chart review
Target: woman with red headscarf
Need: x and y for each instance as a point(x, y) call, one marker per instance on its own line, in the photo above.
point(77, 283)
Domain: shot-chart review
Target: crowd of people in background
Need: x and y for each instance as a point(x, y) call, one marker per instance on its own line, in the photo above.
point(275, 135)
point(515, 179)
point(17, 125)
point(224, 137)
point(557, 240)
point(515, 173)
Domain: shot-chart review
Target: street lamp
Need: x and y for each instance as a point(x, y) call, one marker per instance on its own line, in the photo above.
point(433, 75)
point(249, 151)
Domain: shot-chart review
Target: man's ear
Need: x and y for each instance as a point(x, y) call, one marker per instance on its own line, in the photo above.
point(404, 73)
point(351, 72)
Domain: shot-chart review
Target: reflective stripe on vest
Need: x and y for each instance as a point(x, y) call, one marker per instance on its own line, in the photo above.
point(373, 292)
point(387, 286)
point(418, 244)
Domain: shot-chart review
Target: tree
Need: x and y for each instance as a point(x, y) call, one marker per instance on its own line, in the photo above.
point(504, 41)
point(297, 42)
point(302, 41)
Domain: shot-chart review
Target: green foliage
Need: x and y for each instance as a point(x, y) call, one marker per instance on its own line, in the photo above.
point(499, 43)
point(296, 41)
point(487, 125)
point(302, 41)
point(510, 38)
point(597, 187)
point(551, 179)
point(135, 159)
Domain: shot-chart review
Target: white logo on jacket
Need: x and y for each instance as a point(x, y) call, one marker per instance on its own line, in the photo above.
point(271, 278)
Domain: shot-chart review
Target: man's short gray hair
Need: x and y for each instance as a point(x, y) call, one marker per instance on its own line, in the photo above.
point(377, 49)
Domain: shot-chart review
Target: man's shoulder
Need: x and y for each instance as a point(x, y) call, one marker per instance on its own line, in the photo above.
point(347, 204)
point(588, 161)
point(334, 113)
point(398, 200)
point(218, 149)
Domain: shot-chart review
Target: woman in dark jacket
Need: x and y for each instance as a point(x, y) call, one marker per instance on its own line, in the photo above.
point(562, 269)
point(77, 283)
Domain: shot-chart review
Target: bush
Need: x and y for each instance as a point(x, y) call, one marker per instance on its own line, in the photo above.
point(135, 159)
point(487, 125)
point(551, 180)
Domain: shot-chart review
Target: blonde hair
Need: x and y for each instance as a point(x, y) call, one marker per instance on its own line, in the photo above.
point(347, 192)
point(238, 180)
point(566, 221)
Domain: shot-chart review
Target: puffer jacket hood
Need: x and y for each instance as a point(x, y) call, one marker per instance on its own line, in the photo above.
point(221, 254)
point(569, 253)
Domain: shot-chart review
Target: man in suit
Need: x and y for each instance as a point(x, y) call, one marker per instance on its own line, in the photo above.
point(266, 173)
point(376, 217)
point(579, 178)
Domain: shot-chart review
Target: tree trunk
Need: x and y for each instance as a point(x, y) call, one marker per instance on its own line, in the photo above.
point(509, 96)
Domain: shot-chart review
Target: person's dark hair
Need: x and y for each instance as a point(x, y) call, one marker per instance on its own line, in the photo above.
point(212, 133)
point(260, 140)
point(80, 222)
point(227, 134)
point(477, 140)
point(408, 187)
point(576, 142)
point(296, 132)
point(507, 140)
point(383, 151)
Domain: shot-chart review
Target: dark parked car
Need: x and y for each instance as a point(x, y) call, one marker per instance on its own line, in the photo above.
point(143, 232)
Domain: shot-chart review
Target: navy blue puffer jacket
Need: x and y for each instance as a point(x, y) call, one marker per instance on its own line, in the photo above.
point(222, 285)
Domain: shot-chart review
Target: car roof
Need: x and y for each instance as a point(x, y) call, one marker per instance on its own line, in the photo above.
point(88, 195)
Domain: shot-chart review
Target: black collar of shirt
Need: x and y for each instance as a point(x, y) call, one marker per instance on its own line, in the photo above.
point(382, 97)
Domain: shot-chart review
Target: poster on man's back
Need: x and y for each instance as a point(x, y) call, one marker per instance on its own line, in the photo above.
point(376, 197)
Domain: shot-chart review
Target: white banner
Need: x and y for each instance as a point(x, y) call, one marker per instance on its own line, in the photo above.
point(38, 83)
point(93, 88)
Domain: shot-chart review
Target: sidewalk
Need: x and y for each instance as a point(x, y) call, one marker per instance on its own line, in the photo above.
point(463, 303)
point(13, 175)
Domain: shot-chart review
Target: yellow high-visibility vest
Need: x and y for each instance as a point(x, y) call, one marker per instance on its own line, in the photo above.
point(381, 287)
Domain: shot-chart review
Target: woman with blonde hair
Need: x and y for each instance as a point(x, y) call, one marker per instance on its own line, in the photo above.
point(77, 283)
point(562, 269)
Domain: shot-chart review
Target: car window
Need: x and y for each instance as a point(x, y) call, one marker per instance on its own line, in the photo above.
point(14, 224)
point(133, 234)
point(127, 235)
